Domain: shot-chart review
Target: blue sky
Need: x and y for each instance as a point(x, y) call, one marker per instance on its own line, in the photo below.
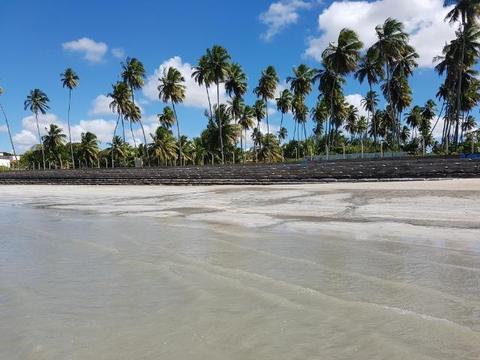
point(40, 39)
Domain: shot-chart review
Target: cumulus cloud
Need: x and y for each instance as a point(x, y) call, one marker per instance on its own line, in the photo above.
point(195, 95)
point(28, 136)
point(3, 128)
point(423, 20)
point(100, 106)
point(90, 49)
point(280, 15)
point(119, 53)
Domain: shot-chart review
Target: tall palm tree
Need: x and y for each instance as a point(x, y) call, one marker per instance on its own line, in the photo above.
point(267, 86)
point(70, 80)
point(37, 102)
point(121, 104)
point(391, 47)
point(370, 103)
point(235, 80)
point(247, 122)
point(53, 141)
point(371, 69)
point(172, 89)
point(8, 126)
point(218, 64)
point(284, 104)
point(133, 74)
point(341, 59)
point(202, 75)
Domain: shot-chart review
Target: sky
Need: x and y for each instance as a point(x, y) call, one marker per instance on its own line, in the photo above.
point(41, 38)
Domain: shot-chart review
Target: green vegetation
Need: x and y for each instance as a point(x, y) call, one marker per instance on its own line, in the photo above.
point(385, 68)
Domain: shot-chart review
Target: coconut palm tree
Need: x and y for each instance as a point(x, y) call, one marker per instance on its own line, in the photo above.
point(267, 86)
point(121, 104)
point(88, 149)
point(133, 74)
point(203, 76)
point(247, 122)
point(8, 126)
point(235, 80)
point(284, 104)
point(341, 58)
point(319, 114)
point(164, 147)
point(70, 80)
point(218, 63)
point(172, 89)
point(414, 118)
point(167, 118)
point(352, 121)
point(370, 103)
point(235, 109)
point(37, 102)
point(53, 141)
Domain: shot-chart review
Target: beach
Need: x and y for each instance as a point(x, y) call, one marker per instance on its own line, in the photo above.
point(374, 270)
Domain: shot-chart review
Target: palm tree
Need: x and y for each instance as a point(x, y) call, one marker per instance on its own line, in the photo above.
point(167, 118)
point(319, 115)
point(284, 104)
point(133, 74)
point(370, 103)
point(247, 122)
point(235, 80)
point(218, 64)
point(121, 104)
point(88, 149)
point(414, 118)
point(8, 126)
point(341, 59)
point(37, 102)
point(371, 69)
point(53, 141)
point(70, 80)
point(172, 89)
point(267, 85)
point(164, 147)
point(392, 48)
point(352, 120)
point(202, 75)
point(235, 109)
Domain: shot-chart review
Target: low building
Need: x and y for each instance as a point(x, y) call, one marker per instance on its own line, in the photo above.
point(6, 159)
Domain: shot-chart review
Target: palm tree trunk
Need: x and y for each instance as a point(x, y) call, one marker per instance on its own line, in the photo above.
point(178, 133)
point(131, 122)
point(68, 123)
point(41, 142)
point(220, 124)
point(459, 85)
point(9, 132)
point(209, 101)
point(266, 115)
point(123, 128)
point(245, 150)
point(113, 141)
point(145, 141)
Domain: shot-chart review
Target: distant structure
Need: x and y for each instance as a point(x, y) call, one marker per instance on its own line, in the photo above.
point(6, 159)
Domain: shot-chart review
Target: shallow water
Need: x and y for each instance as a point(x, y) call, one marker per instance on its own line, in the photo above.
point(75, 285)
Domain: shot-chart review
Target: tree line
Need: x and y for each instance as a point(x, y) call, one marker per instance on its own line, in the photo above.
point(385, 68)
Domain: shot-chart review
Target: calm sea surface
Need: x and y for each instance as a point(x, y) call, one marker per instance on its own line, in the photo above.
point(80, 286)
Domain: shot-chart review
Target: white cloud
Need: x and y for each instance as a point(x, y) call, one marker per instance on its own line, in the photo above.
point(423, 20)
point(356, 100)
point(3, 128)
point(280, 15)
point(195, 95)
point(100, 106)
point(119, 53)
point(24, 140)
point(92, 51)
point(28, 136)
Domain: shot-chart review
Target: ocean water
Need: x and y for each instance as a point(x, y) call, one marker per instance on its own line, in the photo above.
point(77, 285)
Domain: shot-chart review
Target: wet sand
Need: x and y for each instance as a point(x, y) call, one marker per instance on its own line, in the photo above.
point(332, 271)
